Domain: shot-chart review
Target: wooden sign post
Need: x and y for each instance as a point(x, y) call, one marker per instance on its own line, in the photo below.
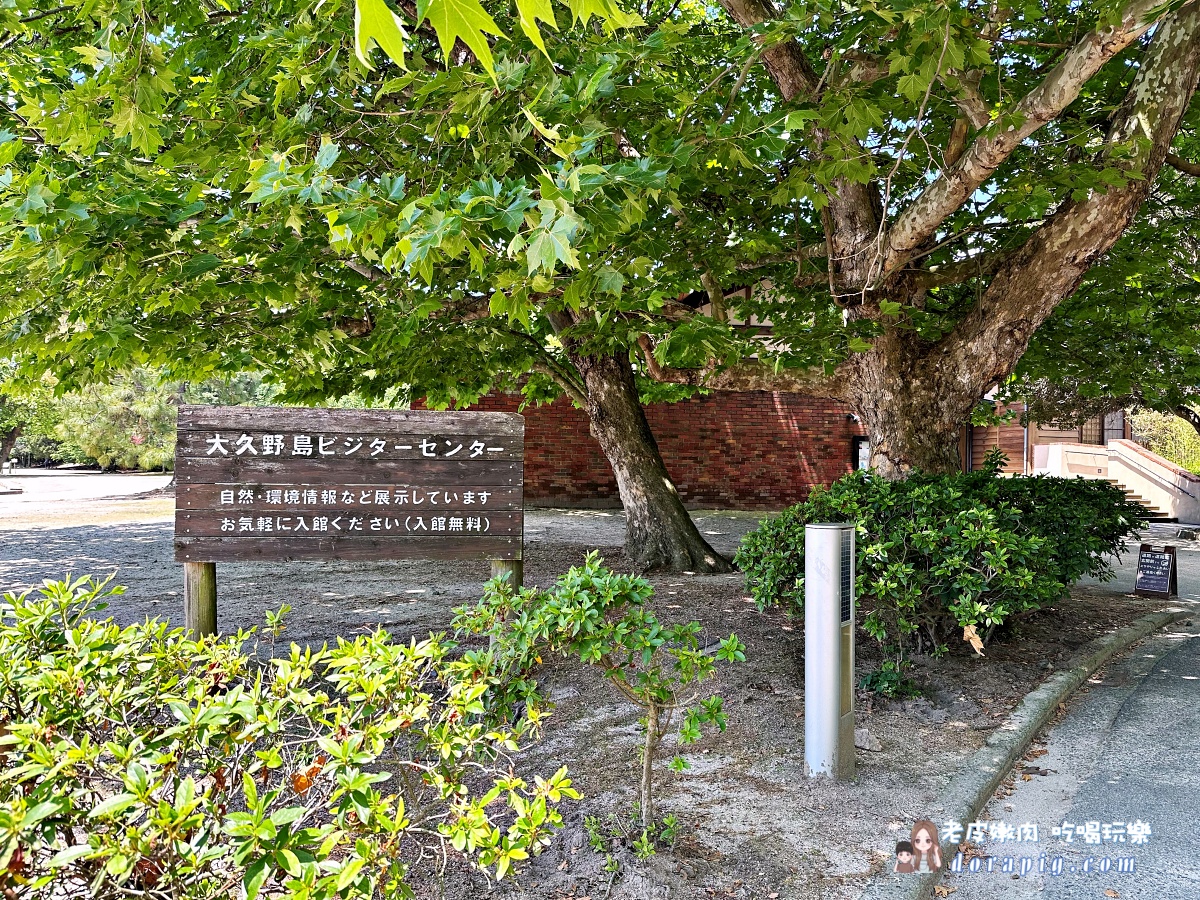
point(276, 484)
point(1157, 572)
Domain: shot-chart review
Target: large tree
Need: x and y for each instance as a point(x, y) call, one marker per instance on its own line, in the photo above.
point(902, 192)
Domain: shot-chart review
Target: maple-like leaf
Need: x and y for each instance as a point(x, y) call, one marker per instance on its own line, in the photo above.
point(375, 25)
point(530, 11)
point(464, 20)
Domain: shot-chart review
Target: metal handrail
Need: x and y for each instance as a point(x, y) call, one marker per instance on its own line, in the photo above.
point(1138, 464)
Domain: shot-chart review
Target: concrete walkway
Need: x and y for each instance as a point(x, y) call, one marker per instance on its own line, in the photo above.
point(42, 487)
point(1127, 751)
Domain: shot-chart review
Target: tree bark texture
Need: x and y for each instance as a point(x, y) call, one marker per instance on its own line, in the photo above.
point(659, 533)
point(912, 419)
point(8, 440)
point(649, 749)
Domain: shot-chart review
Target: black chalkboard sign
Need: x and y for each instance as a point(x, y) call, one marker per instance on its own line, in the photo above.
point(1157, 575)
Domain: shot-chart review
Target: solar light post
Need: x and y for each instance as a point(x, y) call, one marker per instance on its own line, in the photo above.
point(829, 650)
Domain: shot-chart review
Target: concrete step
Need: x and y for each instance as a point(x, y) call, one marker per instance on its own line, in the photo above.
point(1157, 514)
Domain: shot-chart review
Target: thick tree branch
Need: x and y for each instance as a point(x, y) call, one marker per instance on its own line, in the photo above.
point(957, 142)
point(963, 270)
point(366, 270)
point(969, 101)
point(992, 147)
point(754, 377)
point(1051, 263)
point(569, 386)
point(716, 296)
point(1187, 167)
point(853, 215)
point(788, 66)
point(746, 376)
point(864, 69)
point(812, 251)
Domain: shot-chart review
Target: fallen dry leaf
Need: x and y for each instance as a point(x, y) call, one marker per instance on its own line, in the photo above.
point(941, 890)
point(972, 638)
point(1111, 893)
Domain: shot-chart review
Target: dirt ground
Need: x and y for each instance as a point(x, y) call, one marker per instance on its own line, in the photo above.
point(752, 824)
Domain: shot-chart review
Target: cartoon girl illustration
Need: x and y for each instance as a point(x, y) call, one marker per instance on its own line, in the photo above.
point(904, 858)
point(927, 853)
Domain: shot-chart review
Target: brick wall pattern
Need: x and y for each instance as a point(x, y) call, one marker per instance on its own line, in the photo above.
point(757, 450)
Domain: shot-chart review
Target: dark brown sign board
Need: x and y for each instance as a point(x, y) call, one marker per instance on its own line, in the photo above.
point(1157, 572)
point(272, 483)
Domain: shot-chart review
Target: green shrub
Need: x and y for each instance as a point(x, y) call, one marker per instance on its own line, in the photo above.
point(602, 618)
point(1086, 521)
point(938, 552)
point(137, 762)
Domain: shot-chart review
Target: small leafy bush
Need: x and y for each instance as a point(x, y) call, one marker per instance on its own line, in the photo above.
point(137, 762)
point(970, 551)
point(602, 618)
point(1085, 521)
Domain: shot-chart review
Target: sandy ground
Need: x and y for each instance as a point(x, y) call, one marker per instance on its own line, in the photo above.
point(753, 825)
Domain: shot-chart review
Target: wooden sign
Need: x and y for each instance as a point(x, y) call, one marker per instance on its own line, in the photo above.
point(1157, 572)
point(258, 483)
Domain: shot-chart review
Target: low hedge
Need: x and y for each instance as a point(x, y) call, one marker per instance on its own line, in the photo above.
point(940, 552)
point(135, 762)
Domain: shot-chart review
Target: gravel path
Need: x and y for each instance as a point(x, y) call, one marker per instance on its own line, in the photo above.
point(59, 525)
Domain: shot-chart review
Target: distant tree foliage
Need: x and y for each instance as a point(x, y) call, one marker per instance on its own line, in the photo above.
point(1169, 436)
point(125, 423)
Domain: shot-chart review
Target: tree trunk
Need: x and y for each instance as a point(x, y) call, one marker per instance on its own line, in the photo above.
point(912, 417)
point(648, 751)
point(7, 441)
point(659, 533)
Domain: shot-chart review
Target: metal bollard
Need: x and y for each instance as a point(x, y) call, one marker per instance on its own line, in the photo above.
point(829, 650)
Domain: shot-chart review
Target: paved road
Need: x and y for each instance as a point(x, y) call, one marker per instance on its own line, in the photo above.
point(1128, 750)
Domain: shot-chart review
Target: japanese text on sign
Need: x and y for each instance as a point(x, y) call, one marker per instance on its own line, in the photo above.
point(256, 483)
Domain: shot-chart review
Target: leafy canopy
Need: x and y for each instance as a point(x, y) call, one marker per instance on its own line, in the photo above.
point(216, 186)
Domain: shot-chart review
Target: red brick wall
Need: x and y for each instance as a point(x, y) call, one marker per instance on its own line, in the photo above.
point(728, 451)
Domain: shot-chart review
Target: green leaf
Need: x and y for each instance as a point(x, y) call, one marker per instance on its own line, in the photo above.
point(375, 25)
point(198, 265)
point(139, 127)
point(612, 14)
point(41, 811)
point(289, 862)
point(256, 874)
point(858, 345)
point(113, 805)
point(464, 20)
point(327, 155)
point(70, 855)
point(530, 11)
point(349, 873)
point(610, 281)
